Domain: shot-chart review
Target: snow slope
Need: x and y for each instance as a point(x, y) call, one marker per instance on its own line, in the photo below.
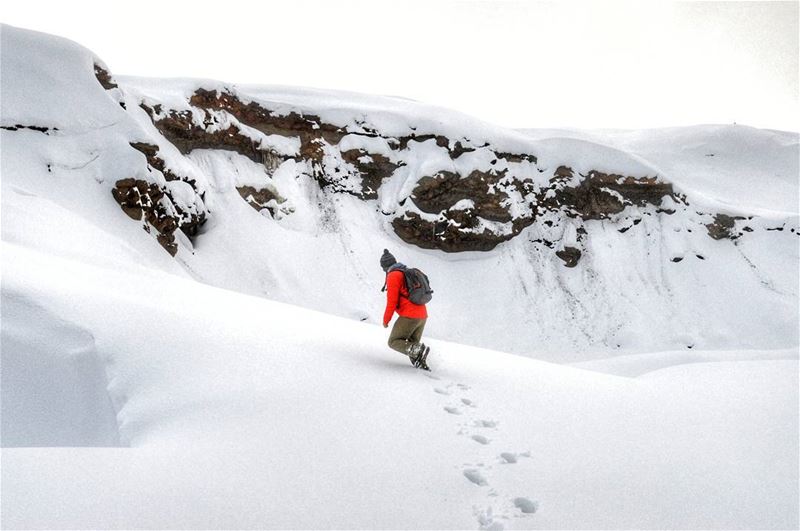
point(140, 390)
point(245, 413)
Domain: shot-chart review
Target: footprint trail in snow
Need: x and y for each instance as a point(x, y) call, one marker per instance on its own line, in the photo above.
point(499, 508)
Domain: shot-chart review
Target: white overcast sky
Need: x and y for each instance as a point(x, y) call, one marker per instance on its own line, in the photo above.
point(515, 63)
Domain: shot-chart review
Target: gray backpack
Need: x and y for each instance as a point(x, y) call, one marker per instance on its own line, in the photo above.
point(418, 285)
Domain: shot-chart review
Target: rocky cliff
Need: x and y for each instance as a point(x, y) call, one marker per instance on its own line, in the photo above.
point(454, 207)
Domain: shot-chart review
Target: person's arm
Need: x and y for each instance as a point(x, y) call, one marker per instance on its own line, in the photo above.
point(392, 295)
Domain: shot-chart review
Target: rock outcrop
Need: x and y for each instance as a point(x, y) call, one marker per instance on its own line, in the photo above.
point(155, 205)
point(724, 227)
point(470, 204)
point(144, 202)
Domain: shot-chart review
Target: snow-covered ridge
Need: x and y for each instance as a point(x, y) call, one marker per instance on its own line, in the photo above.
point(714, 163)
point(575, 241)
point(416, 169)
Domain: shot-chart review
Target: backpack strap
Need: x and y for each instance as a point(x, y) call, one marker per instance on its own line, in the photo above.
point(396, 267)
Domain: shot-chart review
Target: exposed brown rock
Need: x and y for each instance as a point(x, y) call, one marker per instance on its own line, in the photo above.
point(187, 136)
point(598, 196)
point(140, 199)
point(562, 173)
point(314, 135)
point(446, 235)
point(459, 149)
point(264, 120)
point(188, 223)
point(441, 141)
point(723, 227)
point(167, 241)
point(143, 201)
point(313, 150)
point(372, 173)
point(259, 198)
point(516, 157)
point(104, 77)
point(437, 194)
point(601, 195)
point(593, 196)
point(151, 152)
point(570, 256)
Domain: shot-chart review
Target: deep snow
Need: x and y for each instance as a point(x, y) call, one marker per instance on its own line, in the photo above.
point(246, 413)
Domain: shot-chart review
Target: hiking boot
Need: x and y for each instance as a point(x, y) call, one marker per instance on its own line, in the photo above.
point(422, 360)
point(415, 352)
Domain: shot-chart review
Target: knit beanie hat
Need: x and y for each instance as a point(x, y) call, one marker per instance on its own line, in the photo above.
point(387, 260)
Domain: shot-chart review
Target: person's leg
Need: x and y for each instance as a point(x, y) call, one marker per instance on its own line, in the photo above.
point(416, 334)
point(401, 331)
point(416, 345)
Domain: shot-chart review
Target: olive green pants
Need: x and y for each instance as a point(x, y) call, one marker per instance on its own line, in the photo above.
point(406, 332)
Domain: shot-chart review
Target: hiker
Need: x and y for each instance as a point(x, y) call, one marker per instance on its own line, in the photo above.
point(406, 334)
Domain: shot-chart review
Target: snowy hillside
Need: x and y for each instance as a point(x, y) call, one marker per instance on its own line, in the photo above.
point(575, 243)
point(191, 306)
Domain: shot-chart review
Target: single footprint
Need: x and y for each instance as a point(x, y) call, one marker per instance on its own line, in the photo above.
point(480, 439)
point(433, 377)
point(467, 402)
point(464, 387)
point(508, 457)
point(486, 423)
point(525, 505)
point(452, 410)
point(476, 477)
point(442, 391)
point(487, 522)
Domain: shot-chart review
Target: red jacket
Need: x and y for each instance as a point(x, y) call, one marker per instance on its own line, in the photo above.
point(397, 299)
